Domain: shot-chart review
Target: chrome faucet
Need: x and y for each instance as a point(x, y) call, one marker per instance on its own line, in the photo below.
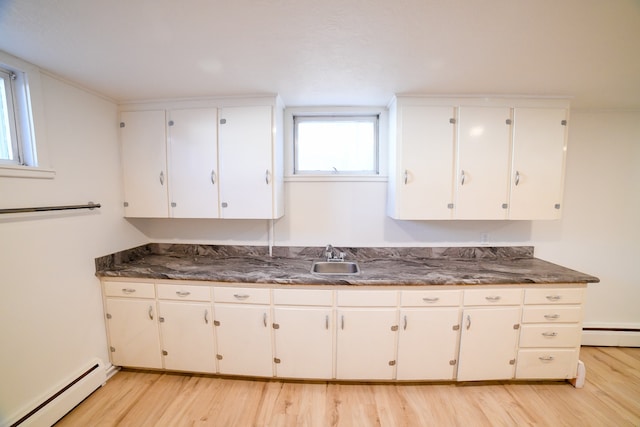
point(328, 252)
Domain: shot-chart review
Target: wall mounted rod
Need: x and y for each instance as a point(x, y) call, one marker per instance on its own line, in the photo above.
point(89, 205)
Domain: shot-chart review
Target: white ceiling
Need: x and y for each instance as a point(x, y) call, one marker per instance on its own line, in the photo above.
point(334, 52)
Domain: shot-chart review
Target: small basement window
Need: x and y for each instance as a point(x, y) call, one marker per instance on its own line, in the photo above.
point(336, 145)
point(10, 149)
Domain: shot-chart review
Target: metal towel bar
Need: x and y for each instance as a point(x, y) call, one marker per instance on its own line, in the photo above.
point(89, 205)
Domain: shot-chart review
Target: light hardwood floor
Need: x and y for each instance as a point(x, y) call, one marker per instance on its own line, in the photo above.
point(610, 397)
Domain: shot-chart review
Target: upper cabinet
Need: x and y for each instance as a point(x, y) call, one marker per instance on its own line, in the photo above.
point(144, 163)
point(193, 163)
point(249, 179)
point(212, 161)
point(476, 159)
point(537, 174)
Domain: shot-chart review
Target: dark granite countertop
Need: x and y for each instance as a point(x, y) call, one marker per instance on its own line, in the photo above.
point(379, 266)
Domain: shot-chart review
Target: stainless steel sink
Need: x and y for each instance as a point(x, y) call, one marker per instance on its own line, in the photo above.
point(335, 267)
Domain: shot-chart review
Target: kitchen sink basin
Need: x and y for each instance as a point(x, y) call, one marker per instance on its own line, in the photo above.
point(335, 267)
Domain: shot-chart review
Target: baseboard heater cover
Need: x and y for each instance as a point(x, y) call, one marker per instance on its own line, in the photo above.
point(611, 336)
point(66, 398)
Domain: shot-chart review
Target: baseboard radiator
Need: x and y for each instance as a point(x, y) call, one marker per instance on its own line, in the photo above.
point(78, 388)
point(611, 336)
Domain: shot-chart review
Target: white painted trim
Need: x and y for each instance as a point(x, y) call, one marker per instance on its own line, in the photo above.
point(610, 338)
point(26, 172)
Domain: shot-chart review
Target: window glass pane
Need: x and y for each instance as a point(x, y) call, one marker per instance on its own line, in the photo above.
point(342, 145)
point(6, 150)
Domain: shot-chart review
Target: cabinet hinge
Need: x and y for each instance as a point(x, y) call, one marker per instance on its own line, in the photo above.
point(164, 353)
point(453, 362)
point(223, 121)
point(394, 328)
point(450, 206)
point(122, 124)
point(505, 206)
point(161, 319)
point(174, 204)
point(452, 121)
point(276, 360)
point(275, 326)
point(392, 363)
point(108, 316)
point(512, 362)
point(508, 121)
point(563, 122)
point(126, 204)
point(516, 326)
point(456, 327)
point(216, 323)
point(224, 204)
point(171, 123)
point(112, 349)
point(557, 206)
point(219, 356)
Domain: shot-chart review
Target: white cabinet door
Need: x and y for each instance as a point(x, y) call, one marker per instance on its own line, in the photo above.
point(244, 340)
point(539, 148)
point(193, 163)
point(428, 343)
point(246, 162)
point(484, 139)
point(303, 342)
point(366, 343)
point(424, 167)
point(133, 333)
point(144, 162)
point(488, 343)
point(187, 336)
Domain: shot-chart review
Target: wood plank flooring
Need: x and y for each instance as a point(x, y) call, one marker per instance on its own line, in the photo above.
point(610, 397)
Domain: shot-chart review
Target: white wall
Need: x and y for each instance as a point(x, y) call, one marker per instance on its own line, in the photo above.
point(51, 317)
point(597, 235)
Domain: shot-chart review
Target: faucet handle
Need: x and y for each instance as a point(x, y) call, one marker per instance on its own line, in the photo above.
point(342, 256)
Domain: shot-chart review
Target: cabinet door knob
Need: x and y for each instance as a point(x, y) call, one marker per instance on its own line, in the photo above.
point(517, 178)
point(161, 177)
point(406, 176)
point(213, 177)
point(151, 312)
point(267, 177)
point(462, 177)
point(468, 321)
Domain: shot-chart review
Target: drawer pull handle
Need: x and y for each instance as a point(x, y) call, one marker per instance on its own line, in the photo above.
point(493, 298)
point(549, 334)
point(431, 300)
point(546, 358)
point(241, 296)
point(183, 293)
point(553, 297)
point(128, 290)
point(551, 316)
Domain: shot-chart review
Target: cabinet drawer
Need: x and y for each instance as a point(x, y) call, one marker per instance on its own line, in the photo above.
point(493, 296)
point(550, 335)
point(129, 289)
point(367, 298)
point(184, 292)
point(554, 296)
point(316, 297)
point(430, 298)
point(241, 295)
point(555, 314)
point(547, 364)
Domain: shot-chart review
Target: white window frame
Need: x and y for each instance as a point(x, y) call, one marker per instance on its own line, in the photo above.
point(289, 133)
point(28, 130)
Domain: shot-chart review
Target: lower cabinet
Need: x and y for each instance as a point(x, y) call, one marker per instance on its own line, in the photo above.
point(365, 343)
point(243, 331)
point(187, 336)
point(303, 333)
point(132, 324)
point(490, 331)
point(484, 333)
